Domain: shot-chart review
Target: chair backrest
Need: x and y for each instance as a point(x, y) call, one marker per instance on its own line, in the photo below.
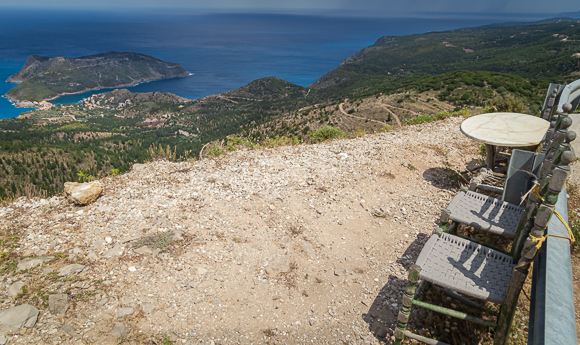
point(539, 210)
point(541, 213)
point(558, 122)
point(523, 169)
point(550, 100)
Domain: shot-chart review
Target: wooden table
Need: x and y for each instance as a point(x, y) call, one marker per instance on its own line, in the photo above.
point(504, 130)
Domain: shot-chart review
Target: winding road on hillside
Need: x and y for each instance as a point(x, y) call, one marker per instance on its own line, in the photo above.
point(364, 118)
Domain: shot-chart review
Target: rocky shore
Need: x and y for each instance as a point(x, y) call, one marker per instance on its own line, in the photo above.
point(296, 244)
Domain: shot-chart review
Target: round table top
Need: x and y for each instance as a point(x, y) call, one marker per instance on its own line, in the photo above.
point(505, 129)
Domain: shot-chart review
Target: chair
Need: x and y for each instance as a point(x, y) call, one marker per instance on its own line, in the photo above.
point(522, 168)
point(464, 269)
point(501, 217)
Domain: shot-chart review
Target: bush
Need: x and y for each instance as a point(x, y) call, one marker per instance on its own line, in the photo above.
point(325, 133)
point(507, 103)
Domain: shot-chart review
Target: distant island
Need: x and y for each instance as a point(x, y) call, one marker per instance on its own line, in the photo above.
point(43, 78)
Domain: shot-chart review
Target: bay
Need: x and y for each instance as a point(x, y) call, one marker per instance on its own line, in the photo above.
point(222, 51)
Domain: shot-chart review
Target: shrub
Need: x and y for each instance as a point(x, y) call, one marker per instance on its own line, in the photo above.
point(325, 133)
point(507, 103)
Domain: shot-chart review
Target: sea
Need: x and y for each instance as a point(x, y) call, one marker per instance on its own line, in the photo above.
point(222, 51)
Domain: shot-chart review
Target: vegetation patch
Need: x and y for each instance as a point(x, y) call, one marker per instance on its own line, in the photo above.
point(326, 133)
point(161, 241)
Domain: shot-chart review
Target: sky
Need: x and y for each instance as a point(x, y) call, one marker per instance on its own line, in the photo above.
point(386, 8)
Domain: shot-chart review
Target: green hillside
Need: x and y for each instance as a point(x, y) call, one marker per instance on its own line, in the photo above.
point(407, 77)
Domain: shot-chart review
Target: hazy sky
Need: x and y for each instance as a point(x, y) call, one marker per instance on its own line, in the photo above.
point(375, 7)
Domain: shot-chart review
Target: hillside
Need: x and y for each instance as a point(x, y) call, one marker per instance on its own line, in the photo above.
point(537, 52)
point(44, 78)
point(254, 246)
point(396, 81)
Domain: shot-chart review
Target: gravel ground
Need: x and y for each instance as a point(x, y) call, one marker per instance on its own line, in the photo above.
point(295, 244)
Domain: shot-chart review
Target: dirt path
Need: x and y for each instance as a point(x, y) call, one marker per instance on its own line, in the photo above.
point(393, 114)
point(405, 109)
point(358, 117)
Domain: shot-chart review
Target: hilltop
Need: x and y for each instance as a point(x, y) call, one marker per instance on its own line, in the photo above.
point(282, 245)
point(43, 78)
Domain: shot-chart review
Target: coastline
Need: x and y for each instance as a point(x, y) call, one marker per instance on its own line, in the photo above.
point(20, 104)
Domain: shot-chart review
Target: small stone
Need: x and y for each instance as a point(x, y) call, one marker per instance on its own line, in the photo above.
point(148, 308)
point(58, 303)
point(103, 301)
point(69, 329)
point(3, 340)
point(177, 235)
point(15, 289)
point(70, 269)
point(132, 268)
point(143, 251)
point(115, 251)
point(83, 193)
point(98, 243)
point(15, 318)
point(125, 311)
point(93, 256)
point(108, 239)
point(120, 330)
point(104, 208)
point(48, 270)
point(379, 329)
point(280, 265)
point(341, 156)
point(76, 251)
point(337, 272)
point(28, 263)
point(308, 250)
point(146, 300)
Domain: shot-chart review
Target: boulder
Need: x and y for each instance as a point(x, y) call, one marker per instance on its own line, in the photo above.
point(83, 193)
point(13, 319)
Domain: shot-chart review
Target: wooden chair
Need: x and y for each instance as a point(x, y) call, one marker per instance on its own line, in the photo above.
point(502, 217)
point(464, 269)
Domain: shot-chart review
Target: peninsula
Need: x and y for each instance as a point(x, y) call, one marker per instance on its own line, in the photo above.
point(44, 78)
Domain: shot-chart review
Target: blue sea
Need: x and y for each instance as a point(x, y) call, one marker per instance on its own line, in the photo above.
point(222, 51)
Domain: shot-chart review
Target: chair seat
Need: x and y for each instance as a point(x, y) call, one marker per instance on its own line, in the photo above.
point(466, 267)
point(485, 213)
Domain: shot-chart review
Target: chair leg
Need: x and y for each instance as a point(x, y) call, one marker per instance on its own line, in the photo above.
point(508, 308)
point(405, 311)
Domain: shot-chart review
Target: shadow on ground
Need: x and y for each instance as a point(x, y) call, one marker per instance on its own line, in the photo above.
point(382, 314)
point(443, 178)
